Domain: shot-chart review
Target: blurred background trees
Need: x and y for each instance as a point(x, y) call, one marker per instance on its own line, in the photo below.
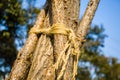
point(15, 21)
point(14, 24)
point(93, 65)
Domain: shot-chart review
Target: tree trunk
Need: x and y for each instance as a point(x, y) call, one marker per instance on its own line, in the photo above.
point(37, 59)
point(66, 12)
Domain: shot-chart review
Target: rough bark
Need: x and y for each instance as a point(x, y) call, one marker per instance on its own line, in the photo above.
point(66, 12)
point(58, 16)
point(43, 58)
point(48, 49)
point(22, 64)
point(87, 18)
point(71, 8)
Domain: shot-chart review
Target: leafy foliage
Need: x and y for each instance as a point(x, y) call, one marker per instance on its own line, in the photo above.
point(93, 64)
point(11, 15)
point(14, 21)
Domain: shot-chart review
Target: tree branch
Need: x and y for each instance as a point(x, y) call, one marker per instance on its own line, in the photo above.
point(85, 24)
point(87, 18)
point(21, 66)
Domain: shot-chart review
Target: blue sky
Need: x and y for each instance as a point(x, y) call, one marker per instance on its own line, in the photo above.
point(108, 15)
